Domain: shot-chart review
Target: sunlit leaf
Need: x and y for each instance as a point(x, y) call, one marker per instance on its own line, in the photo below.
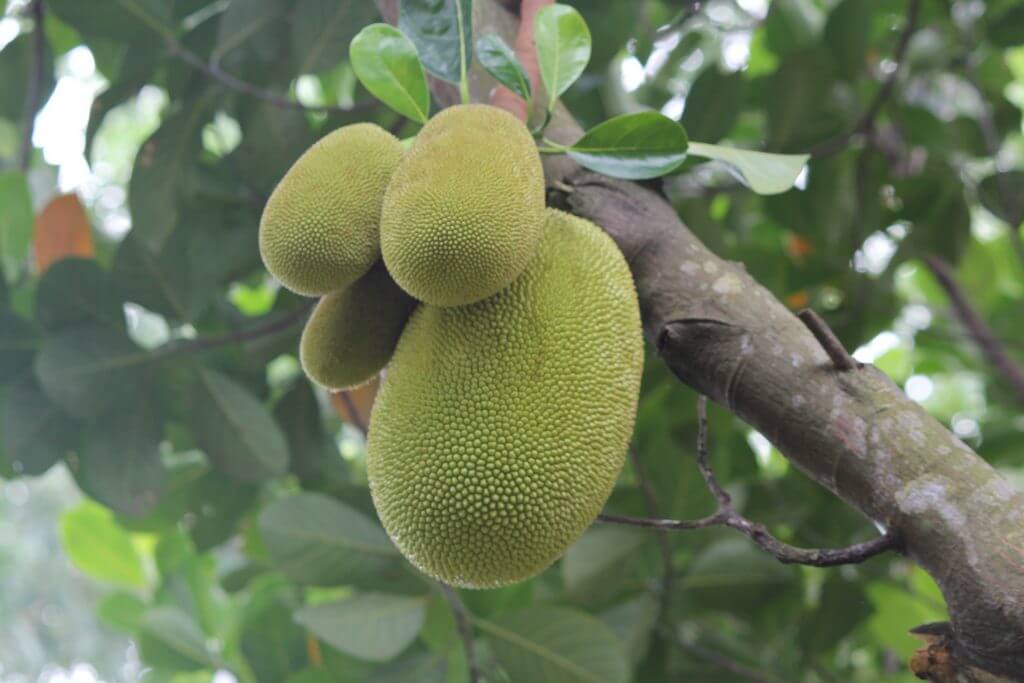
point(563, 48)
point(371, 626)
point(634, 146)
point(99, 547)
point(386, 63)
point(762, 172)
point(501, 62)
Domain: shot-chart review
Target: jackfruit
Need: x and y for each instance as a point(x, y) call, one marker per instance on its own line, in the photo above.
point(501, 426)
point(464, 210)
point(353, 332)
point(320, 229)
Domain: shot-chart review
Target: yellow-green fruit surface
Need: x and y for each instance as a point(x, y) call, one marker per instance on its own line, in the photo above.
point(353, 332)
point(463, 213)
point(320, 229)
point(501, 426)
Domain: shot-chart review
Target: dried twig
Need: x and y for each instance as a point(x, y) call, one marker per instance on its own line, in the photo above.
point(866, 122)
point(989, 344)
point(35, 83)
point(728, 516)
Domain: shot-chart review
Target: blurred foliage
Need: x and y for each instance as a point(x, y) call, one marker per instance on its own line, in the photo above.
point(228, 521)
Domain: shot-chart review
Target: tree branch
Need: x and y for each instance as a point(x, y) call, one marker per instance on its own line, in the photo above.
point(866, 122)
point(35, 83)
point(989, 344)
point(728, 516)
point(238, 85)
point(271, 327)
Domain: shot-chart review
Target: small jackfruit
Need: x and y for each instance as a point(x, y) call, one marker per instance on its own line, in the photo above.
point(353, 332)
point(464, 210)
point(320, 229)
point(501, 426)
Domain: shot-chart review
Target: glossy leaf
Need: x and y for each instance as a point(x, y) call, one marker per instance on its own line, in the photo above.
point(371, 626)
point(762, 172)
point(386, 63)
point(556, 645)
point(501, 62)
point(563, 48)
point(442, 31)
point(316, 540)
point(15, 223)
point(99, 547)
point(633, 146)
point(236, 430)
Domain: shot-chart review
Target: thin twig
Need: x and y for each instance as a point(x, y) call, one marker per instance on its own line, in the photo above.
point(989, 344)
point(866, 122)
point(353, 410)
point(35, 84)
point(664, 538)
point(464, 628)
point(199, 344)
point(234, 83)
point(728, 516)
point(841, 358)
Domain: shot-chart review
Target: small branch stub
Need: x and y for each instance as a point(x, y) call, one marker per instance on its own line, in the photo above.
point(841, 358)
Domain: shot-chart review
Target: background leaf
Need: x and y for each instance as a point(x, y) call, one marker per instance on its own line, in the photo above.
point(62, 230)
point(99, 547)
point(371, 626)
point(15, 222)
point(386, 63)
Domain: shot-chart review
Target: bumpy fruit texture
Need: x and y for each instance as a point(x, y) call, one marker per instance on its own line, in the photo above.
point(501, 426)
point(320, 229)
point(463, 213)
point(353, 332)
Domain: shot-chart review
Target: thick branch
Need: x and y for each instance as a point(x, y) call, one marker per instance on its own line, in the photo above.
point(990, 345)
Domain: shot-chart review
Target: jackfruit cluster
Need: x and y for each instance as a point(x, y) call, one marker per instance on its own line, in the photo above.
point(511, 334)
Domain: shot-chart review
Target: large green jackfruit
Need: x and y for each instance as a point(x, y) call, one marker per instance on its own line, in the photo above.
point(501, 426)
point(463, 213)
point(353, 332)
point(320, 229)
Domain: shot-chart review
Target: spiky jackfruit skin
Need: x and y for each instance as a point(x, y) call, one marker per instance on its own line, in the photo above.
point(463, 213)
point(320, 229)
point(353, 332)
point(501, 426)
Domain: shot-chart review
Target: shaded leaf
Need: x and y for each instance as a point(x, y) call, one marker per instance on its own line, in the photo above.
point(1003, 195)
point(597, 550)
point(322, 29)
point(18, 343)
point(15, 223)
point(556, 645)
point(76, 293)
point(371, 626)
point(168, 638)
point(386, 63)
point(563, 48)
point(272, 643)
point(62, 230)
point(236, 430)
point(99, 547)
point(634, 146)
point(501, 62)
point(315, 458)
point(127, 20)
point(1006, 28)
point(762, 172)
point(442, 31)
point(713, 104)
point(121, 612)
point(36, 433)
point(846, 35)
point(316, 540)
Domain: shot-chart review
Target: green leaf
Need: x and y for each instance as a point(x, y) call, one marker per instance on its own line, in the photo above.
point(386, 63)
point(501, 62)
point(75, 292)
point(563, 48)
point(556, 645)
point(371, 626)
point(160, 178)
point(734, 574)
point(99, 547)
point(442, 31)
point(1006, 28)
point(15, 68)
point(272, 643)
point(1003, 195)
point(168, 638)
point(18, 343)
point(634, 146)
point(85, 370)
point(15, 223)
point(762, 172)
point(119, 464)
point(36, 433)
point(596, 551)
point(315, 458)
point(713, 104)
point(236, 430)
point(124, 20)
point(316, 540)
point(121, 612)
point(321, 30)
point(842, 607)
point(846, 35)
point(249, 35)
